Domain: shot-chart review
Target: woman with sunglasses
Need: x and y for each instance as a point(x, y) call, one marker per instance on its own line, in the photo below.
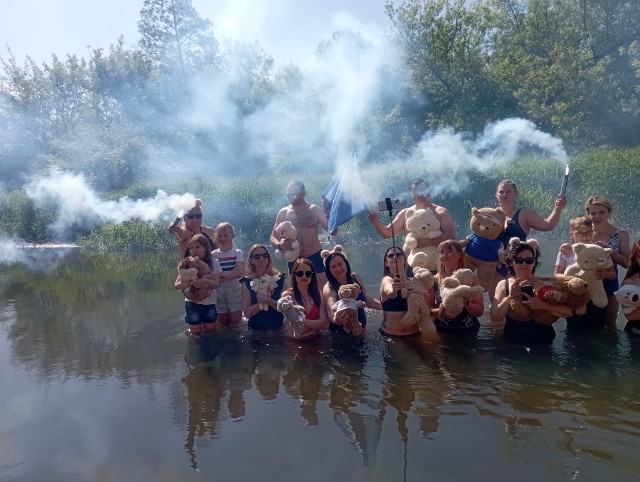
point(192, 225)
point(259, 264)
point(304, 290)
point(394, 304)
point(632, 278)
point(338, 271)
point(450, 259)
point(522, 259)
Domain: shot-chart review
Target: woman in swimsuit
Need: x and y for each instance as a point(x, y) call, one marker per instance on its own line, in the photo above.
point(520, 221)
point(339, 273)
point(450, 258)
point(394, 304)
point(304, 290)
point(522, 259)
point(605, 234)
point(632, 278)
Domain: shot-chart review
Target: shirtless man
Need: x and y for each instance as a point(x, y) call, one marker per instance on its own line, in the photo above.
point(305, 217)
point(420, 196)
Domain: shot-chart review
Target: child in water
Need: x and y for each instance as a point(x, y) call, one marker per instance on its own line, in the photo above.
point(580, 230)
point(200, 315)
point(231, 259)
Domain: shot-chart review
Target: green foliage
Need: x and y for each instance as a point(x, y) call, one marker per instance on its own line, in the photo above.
point(129, 236)
point(19, 218)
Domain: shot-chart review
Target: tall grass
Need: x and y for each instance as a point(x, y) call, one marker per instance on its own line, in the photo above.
point(251, 204)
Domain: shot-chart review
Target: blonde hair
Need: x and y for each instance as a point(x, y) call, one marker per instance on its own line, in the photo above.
point(600, 201)
point(226, 227)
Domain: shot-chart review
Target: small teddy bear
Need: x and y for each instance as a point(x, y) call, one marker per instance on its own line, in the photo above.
point(264, 286)
point(293, 314)
point(483, 249)
point(422, 223)
point(192, 268)
point(287, 231)
point(347, 301)
point(417, 308)
point(629, 298)
point(456, 291)
point(589, 258)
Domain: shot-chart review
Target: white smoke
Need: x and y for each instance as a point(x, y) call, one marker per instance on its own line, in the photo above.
point(77, 203)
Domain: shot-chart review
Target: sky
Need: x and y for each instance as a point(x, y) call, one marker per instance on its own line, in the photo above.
point(288, 30)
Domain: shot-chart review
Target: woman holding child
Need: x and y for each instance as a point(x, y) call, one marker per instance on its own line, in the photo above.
point(305, 292)
point(339, 273)
point(522, 259)
point(450, 259)
point(259, 264)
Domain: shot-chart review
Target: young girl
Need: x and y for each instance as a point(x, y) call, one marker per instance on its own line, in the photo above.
point(580, 230)
point(201, 315)
point(229, 303)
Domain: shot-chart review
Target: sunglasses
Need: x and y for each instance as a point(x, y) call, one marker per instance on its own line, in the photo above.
point(301, 273)
point(524, 260)
point(395, 255)
point(260, 256)
point(194, 216)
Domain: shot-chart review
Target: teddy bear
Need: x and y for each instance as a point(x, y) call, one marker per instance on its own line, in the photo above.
point(192, 268)
point(417, 308)
point(336, 249)
point(293, 314)
point(569, 291)
point(629, 298)
point(264, 286)
point(347, 300)
point(589, 258)
point(483, 249)
point(422, 223)
point(287, 231)
point(456, 291)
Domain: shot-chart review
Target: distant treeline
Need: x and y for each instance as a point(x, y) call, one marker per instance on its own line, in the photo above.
point(184, 96)
point(252, 206)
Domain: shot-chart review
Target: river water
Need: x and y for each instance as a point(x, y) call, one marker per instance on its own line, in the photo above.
point(99, 382)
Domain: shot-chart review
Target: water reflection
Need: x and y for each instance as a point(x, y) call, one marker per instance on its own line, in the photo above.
point(377, 408)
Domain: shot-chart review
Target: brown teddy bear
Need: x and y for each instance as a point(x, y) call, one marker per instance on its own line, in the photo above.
point(192, 268)
point(483, 249)
point(417, 307)
point(569, 291)
point(347, 301)
point(456, 291)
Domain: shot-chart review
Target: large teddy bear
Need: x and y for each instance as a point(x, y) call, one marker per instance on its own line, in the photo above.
point(422, 223)
point(264, 286)
point(293, 314)
point(192, 268)
point(589, 258)
point(483, 249)
point(629, 298)
point(569, 291)
point(287, 231)
point(417, 307)
point(347, 301)
point(456, 291)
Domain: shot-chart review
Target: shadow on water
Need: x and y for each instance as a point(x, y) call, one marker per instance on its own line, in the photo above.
point(95, 348)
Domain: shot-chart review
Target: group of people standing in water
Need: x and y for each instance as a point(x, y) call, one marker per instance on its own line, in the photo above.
point(316, 276)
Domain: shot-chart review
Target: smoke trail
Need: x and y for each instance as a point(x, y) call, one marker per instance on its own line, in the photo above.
point(78, 204)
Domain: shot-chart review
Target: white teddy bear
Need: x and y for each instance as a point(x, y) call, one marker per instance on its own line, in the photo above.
point(287, 231)
point(264, 286)
point(629, 298)
point(590, 257)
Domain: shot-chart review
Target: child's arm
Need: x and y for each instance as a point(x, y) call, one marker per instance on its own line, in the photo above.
point(180, 285)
